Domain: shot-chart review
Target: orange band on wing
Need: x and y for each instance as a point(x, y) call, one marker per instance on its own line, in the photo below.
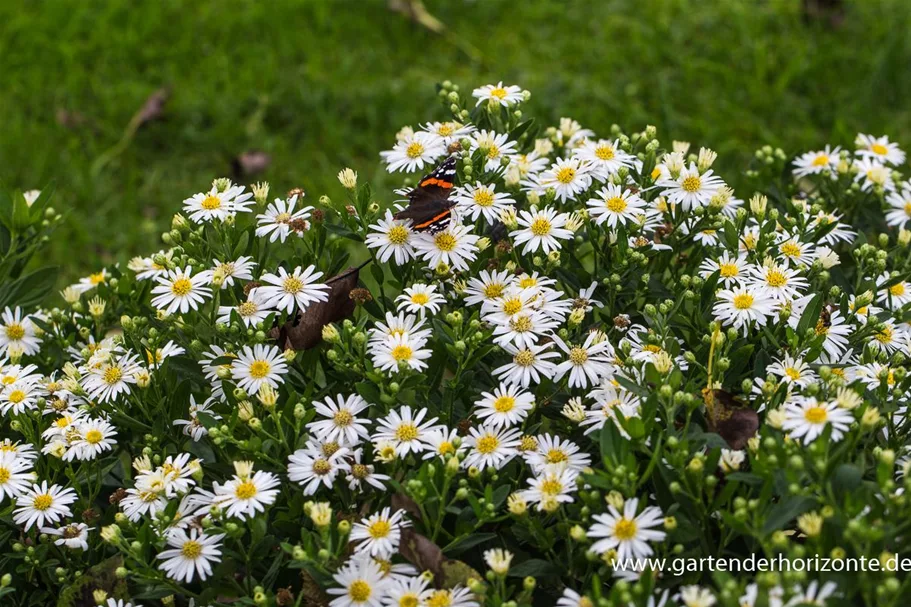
point(433, 220)
point(440, 182)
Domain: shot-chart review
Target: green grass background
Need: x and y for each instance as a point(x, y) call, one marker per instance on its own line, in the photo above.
point(324, 84)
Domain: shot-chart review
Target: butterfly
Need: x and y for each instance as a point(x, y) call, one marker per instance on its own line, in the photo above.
point(429, 207)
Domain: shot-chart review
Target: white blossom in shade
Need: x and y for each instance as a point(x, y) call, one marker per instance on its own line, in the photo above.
point(229, 271)
point(529, 365)
point(405, 429)
point(360, 473)
point(507, 406)
point(413, 152)
point(379, 534)
point(691, 189)
point(548, 489)
point(286, 290)
point(74, 535)
point(180, 291)
point(628, 533)
point(340, 422)
point(42, 504)
point(491, 447)
point(312, 467)
point(495, 147)
point(568, 177)
point(482, 200)
point(18, 333)
point(541, 229)
point(190, 554)
point(252, 311)
point(586, 363)
point(814, 163)
point(392, 238)
point(280, 218)
point(259, 365)
point(455, 247)
point(807, 418)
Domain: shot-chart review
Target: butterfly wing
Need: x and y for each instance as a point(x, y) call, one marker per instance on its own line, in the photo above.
point(429, 203)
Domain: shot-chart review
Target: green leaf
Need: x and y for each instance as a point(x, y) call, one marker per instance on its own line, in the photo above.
point(29, 290)
point(463, 544)
point(534, 568)
point(22, 213)
point(786, 511)
point(846, 478)
point(810, 315)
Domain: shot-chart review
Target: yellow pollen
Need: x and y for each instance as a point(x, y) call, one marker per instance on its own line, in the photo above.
point(406, 432)
point(691, 184)
point(112, 375)
point(400, 353)
point(578, 355)
point(360, 471)
point(744, 301)
point(379, 529)
point(540, 227)
point(821, 160)
point(625, 529)
point(42, 502)
point(908, 209)
point(616, 204)
point(483, 198)
point(528, 282)
point(816, 415)
point(181, 287)
point(283, 218)
point(512, 306)
point(551, 486)
point(96, 278)
point(878, 148)
point(493, 290)
point(248, 308)
point(321, 467)
point(504, 404)
point(728, 270)
point(93, 437)
point(211, 202)
point(16, 396)
point(245, 490)
point(409, 600)
point(420, 299)
point(415, 150)
point(487, 444)
point(15, 331)
point(790, 249)
point(493, 152)
point(651, 348)
point(793, 373)
point(343, 418)
point(440, 598)
point(605, 152)
point(445, 129)
point(521, 324)
point(191, 549)
point(292, 285)
point(556, 456)
point(776, 278)
point(445, 241)
point(524, 358)
point(565, 175)
point(5, 475)
point(259, 369)
point(445, 448)
point(498, 93)
point(884, 336)
point(397, 235)
point(528, 443)
point(897, 290)
point(821, 328)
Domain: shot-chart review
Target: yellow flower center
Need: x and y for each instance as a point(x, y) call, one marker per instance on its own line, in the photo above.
point(884, 336)
point(445, 129)
point(498, 93)
point(790, 249)
point(15, 331)
point(16, 396)
point(578, 355)
point(245, 490)
point(821, 160)
point(181, 287)
point(504, 404)
point(360, 471)
point(908, 209)
point(512, 306)
point(897, 290)
point(654, 349)
point(728, 270)
point(493, 290)
point(551, 486)
point(343, 418)
point(487, 444)
point(493, 152)
point(749, 241)
point(292, 285)
point(440, 598)
point(625, 529)
point(322, 467)
point(42, 502)
point(878, 148)
point(93, 436)
point(248, 308)
point(524, 358)
point(445, 241)
point(360, 591)
point(5, 475)
point(793, 373)
point(528, 282)
point(616, 205)
point(821, 328)
point(191, 549)
point(565, 175)
point(556, 456)
point(409, 600)
point(691, 184)
point(112, 375)
point(420, 299)
point(528, 443)
point(776, 278)
point(400, 353)
point(483, 198)
point(283, 218)
point(445, 448)
point(520, 324)
point(211, 202)
point(406, 432)
point(744, 301)
point(415, 150)
point(397, 235)
point(540, 227)
point(816, 415)
point(379, 529)
point(605, 152)
point(259, 369)
point(97, 278)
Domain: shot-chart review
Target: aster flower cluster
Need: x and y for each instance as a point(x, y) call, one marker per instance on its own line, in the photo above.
point(596, 353)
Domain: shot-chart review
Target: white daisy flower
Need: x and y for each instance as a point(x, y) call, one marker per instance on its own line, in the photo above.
point(380, 533)
point(615, 206)
point(627, 533)
point(93, 437)
point(341, 423)
point(397, 350)
point(524, 328)
point(796, 253)
point(455, 246)
point(891, 338)
point(404, 591)
point(605, 158)
point(179, 290)
point(193, 427)
point(41, 504)
point(487, 286)
point(896, 296)
point(91, 281)
point(482, 200)
point(778, 282)
point(419, 298)
point(498, 94)
point(413, 152)
point(691, 189)
point(871, 173)
point(507, 406)
point(217, 205)
point(586, 363)
point(112, 377)
point(19, 396)
point(731, 270)
point(807, 418)
point(498, 560)
point(879, 148)
point(554, 454)
point(281, 217)
point(541, 229)
point(15, 475)
point(441, 442)
point(74, 535)
point(253, 311)
point(407, 325)
point(448, 132)
point(548, 489)
point(495, 148)
point(457, 596)
point(393, 238)
point(312, 467)
point(568, 177)
point(360, 473)
point(404, 429)
point(228, 271)
point(792, 370)
point(529, 365)
point(815, 163)
point(900, 214)
point(284, 291)
point(247, 492)
point(259, 365)
point(191, 554)
point(363, 584)
point(18, 333)
point(740, 307)
point(489, 446)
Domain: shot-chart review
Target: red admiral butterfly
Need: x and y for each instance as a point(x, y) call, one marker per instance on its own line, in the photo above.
point(429, 207)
